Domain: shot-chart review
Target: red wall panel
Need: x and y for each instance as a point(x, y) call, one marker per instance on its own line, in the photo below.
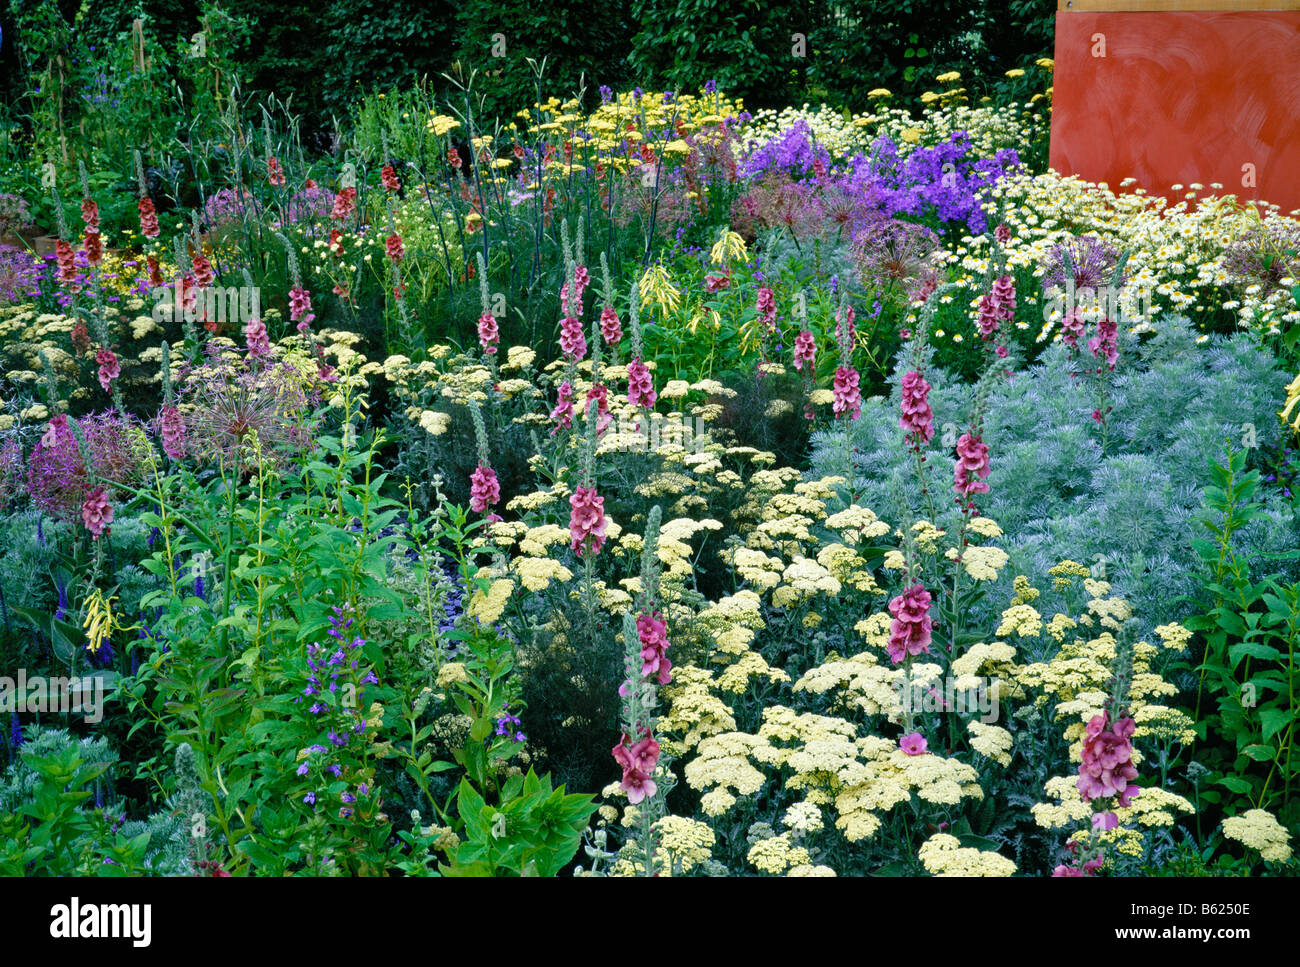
point(1180, 98)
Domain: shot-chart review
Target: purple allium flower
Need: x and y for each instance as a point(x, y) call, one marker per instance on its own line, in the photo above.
point(1084, 262)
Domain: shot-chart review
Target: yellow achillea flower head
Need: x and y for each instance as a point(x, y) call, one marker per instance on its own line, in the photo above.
point(688, 841)
point(1259, 830)
point(943, 855)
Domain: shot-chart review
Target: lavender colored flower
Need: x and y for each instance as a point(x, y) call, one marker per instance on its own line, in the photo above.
point(1082, 262)
point(228, 206)
point(311, 203)
point(793, 152)
point(21, 274)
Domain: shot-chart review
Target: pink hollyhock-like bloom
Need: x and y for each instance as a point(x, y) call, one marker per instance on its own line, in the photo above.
point(67, 259)
point(766, 307)
point(917, 416)
point(1002, 233)
point(394, 249)
point(587, 521)
point(1106, 342)
point(204, 275)
point(563, 411)
point(653, 632)
point(389, 178)
point(148, 219)
point(484, 490)
point(717, 283)
point(988, 316)
point(1004, 294)
point(920, 289)
point(638, 763)
point(847, 396)
point(972, 465)
point(1064, 870)
point(572, 341)
point(600, 393)
point(172, 430)
point(58, 426)
point(274, 173)
point(914, 744)
point(845, 331)
point(256, 338)
point(1103, 822)
point(1072, 327)
point(1107, 766)
point(80, 337)
point(805, 351)
point(488, 333)
point(300, 307)
point(611, 330)
point(94, 246)
point(97, 512)
point(90, 214)
point(571, 297)
point(109, 369)
point(1002, 352)
point(345, 204)
point(640, 387)
point(909, 632)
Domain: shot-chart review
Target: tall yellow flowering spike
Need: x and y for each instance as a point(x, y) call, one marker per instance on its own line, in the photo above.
point(657, 287)
point(730, 246)
point(100, 620)
point(1292, 398)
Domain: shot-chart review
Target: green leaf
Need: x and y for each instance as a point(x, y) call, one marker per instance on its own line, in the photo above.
point(1253, 649)
point(1275, 720)
point(1234, 784)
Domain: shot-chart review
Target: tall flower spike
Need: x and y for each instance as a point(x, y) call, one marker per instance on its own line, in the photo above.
point(650, 563)
point(489, 334)
point(480, 430)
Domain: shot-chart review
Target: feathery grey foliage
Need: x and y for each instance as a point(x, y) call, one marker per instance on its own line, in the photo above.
point(1176, 405)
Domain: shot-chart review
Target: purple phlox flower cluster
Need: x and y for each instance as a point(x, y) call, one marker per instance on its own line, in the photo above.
point(946, 179)
point(793, 152)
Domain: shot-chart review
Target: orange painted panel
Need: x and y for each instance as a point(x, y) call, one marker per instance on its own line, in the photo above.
point(1180, 98)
